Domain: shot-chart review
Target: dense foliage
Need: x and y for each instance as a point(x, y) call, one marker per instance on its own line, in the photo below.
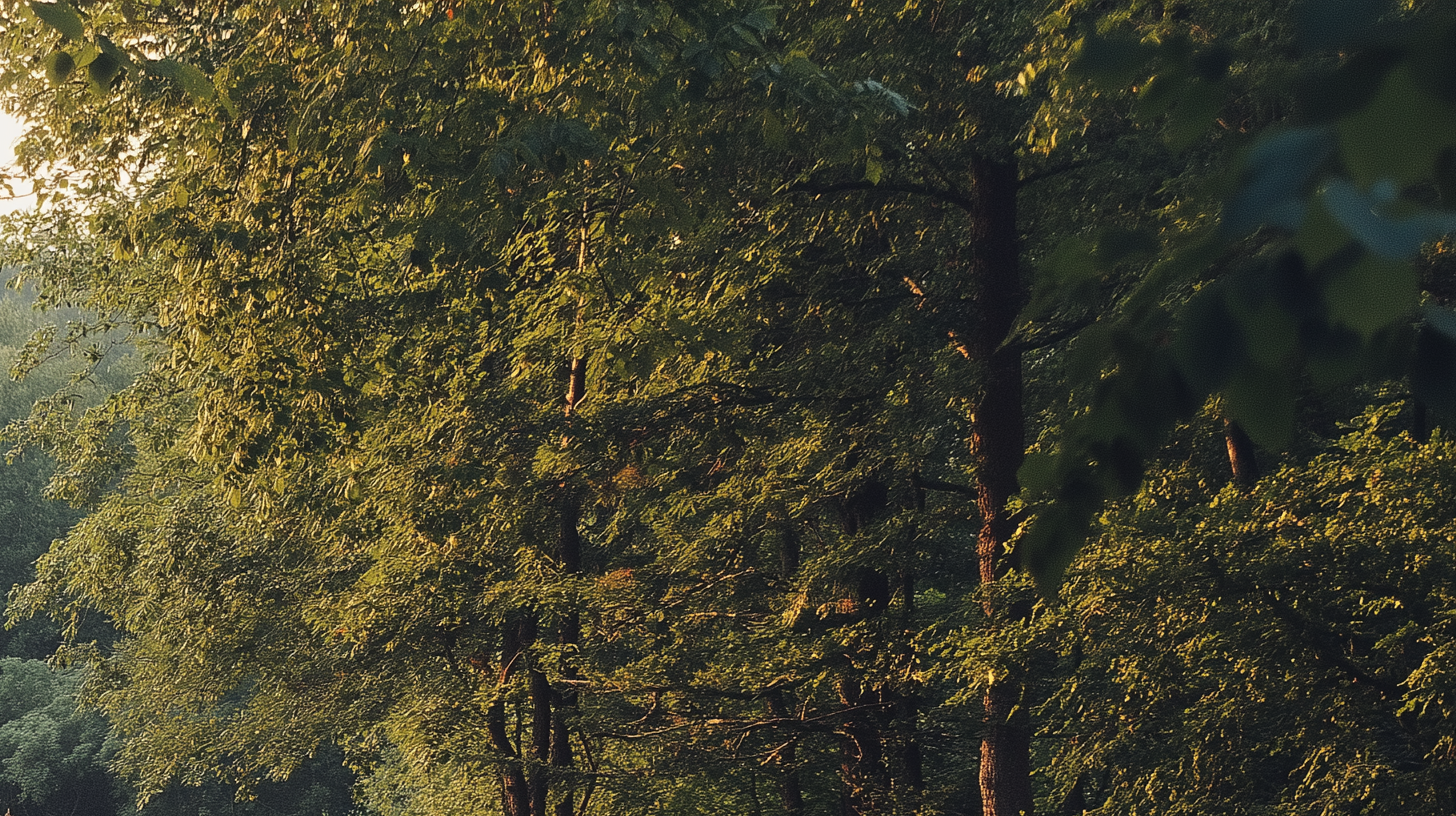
point(621, 407)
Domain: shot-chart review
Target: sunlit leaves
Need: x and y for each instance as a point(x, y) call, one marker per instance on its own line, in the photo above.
point(63, 17)
point(187, 77)
point(1224, 637)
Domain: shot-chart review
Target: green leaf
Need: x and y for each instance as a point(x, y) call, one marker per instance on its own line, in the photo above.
point(1157, 96)
point(1320, 236)
point(1327, 96)
point(63, 17)
point(189, 78)
point(774, 134)
point(1055, 538)
point(1262, 401)
point(1399, 135)
point(1113, 62)
point(1433, 368)
point(761, 19)
point(1088, 355)
point(102, 71)
point(1270, 333)
point(1209, 347)
point(1277, 174)
point(59, 66)
point(1372, 294)
point(221, 80)
point(873, 170)
point(1038, 473)
point(1383, 224)
point(1074, 259)
point(1197, 108)
point(86, 54)
point(1116, 244)
point(1330, 24)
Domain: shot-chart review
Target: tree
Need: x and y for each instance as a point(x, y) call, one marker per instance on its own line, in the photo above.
point(53, 756)
point(548, 399)
point(1272, 649)
point(1340, 199)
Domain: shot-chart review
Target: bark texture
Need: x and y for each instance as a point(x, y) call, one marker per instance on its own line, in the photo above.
point(516, 638)
point(1242, 461)
point(540, 740)
point(568, 636)
point(997, 445)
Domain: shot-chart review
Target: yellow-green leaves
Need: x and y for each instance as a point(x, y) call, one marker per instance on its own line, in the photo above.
point(59, 66)
point(1177, 81)
point(102, 71)
point(63, 17)
point(221, 80)
point(189, 78)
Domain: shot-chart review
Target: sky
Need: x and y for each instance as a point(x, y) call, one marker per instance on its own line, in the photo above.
point(10, 130)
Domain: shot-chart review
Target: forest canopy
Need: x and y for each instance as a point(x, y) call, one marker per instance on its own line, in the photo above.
point(673, 407)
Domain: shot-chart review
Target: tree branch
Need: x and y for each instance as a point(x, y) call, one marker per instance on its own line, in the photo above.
point(1051, 338)
point(948, 196)
point(1043, 175)
point(1325, 646)
point(923, 483)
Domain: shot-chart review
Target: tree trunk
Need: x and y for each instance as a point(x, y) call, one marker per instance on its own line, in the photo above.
point(541, 722)
point(861, 737)
point(516, 800)
point(791, 792)
point(515, 792)
point(568, 636)
point(568, 553)
point(1242, 461)
point(997, 445)
point(861, 764)
point(907, 707)
point(1420, 421)
point(1006, 752)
